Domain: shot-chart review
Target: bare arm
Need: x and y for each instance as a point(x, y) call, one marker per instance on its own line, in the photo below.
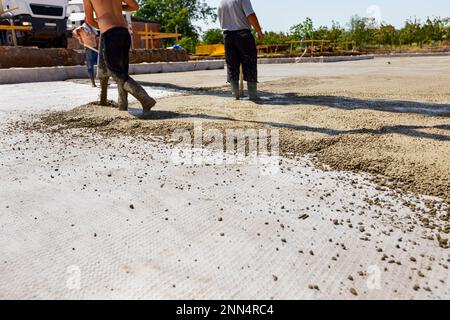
point(253, 19)
point(130, 6)
point(89, 12)
point(76, 33)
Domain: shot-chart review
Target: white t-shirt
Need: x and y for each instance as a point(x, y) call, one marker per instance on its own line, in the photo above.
point(233, 14)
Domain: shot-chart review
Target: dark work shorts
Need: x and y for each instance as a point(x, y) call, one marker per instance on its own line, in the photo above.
point(115, 47)
point(240, 48)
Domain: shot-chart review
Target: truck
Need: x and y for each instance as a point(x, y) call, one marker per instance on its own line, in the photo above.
point(47, 18)
point(75, 13)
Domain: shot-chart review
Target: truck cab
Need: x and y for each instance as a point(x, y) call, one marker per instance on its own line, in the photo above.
point(48, 19)
point(75, 13)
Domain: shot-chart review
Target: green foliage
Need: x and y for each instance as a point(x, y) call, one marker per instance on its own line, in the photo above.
point(177, 14)
point(366, 32)
point(303, 31)
point(362, 30)
point(213, 36)
point(387, 35)
point(271, 38)
point(336, 33)
point(412, 32)
point(434, 30)
point(189, 43)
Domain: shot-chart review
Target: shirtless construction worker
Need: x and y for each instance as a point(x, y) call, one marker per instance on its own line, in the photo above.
point(115, 46)
point(236, 19)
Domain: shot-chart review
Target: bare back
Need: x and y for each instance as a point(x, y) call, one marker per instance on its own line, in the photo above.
point(109, 14)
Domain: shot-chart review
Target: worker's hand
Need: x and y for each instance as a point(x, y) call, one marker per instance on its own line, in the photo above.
point(261, 37)
point(76, 33)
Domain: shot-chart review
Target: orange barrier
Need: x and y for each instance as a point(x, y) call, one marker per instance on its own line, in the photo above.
point(15, 28)
point(212, 50)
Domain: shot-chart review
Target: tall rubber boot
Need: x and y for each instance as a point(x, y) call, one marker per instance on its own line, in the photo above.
point(235, 89)
point(103, 76)
point(94, 85)
point(137, 91)
point(104, 91)
point(252, 90)
point(123, 96)
point(92, 77)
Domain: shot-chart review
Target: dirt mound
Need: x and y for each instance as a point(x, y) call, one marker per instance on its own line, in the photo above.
point(25, 57)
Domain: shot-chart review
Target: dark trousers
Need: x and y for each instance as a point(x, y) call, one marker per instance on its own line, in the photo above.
point(240, 48)
point(90, 59)
point(115, 47)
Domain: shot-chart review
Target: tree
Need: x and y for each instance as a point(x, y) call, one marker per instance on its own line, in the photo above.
point(412, 32)
point(177, 14)
point(321, 33)
point(213, 36)
point(336, 32)
point(446, 24)
point(386, 35)
point(362, 30)
point(304, 30)
point(272, 38)
point(433, 30)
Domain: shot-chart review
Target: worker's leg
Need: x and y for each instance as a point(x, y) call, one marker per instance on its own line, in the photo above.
point(104, 79)
point(249, 56)
point(93, 63)
point(91, 75)
point(88, 56)
point(103, 76)
point(123, 95)
point(122, 62)
point(117, 46)
point(233, 61)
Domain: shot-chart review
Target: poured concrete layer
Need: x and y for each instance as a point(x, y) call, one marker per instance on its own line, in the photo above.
point(382, 67)
point(413, 54)
point(314, 59)
point(24, 75)
point(95, 218)
point(84, 215)
point(19, 75)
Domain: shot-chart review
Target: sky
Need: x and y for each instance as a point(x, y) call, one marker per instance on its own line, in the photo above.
point(280, 15)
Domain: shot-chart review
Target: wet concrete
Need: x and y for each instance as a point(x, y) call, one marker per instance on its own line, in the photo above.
point(103, 211)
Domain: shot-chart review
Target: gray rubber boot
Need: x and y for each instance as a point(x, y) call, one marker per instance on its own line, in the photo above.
point(235, 89)
point(252, 91)
point(123, 96)
point(137, 91)
point(103, 76)
point(104, 91)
